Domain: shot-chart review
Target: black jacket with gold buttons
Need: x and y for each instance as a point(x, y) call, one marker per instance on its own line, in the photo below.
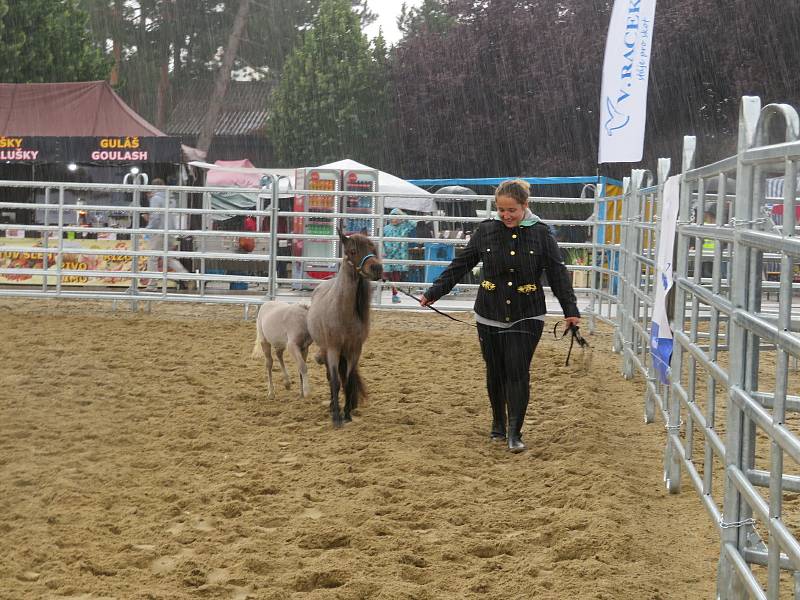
point(513, 261)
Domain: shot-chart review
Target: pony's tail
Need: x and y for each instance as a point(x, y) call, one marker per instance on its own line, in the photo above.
point(258, 351)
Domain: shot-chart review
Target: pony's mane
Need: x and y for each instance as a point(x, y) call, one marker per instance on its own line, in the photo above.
point(363, 245)
point(362, 300)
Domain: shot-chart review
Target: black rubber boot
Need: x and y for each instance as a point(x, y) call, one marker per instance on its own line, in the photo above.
point(515, 429)
point(498, 420)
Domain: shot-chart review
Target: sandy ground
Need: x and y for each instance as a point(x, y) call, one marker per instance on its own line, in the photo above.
point(140, 458)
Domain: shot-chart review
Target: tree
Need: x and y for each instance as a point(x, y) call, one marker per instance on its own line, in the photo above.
point(48, 41)
point(223, 77)
point(431, 17)
point(332, 98)
point(162, 46)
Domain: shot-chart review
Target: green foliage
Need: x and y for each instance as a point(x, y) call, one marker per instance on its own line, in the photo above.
point(431, 17)
point(332, 101)
point(165, 45)
point(48, 41)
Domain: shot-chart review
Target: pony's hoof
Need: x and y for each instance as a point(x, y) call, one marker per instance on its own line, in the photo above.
point(348, 419)
point(288, 386)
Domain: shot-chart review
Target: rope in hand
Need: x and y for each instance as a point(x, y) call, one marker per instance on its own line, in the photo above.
point(573, 329)
point(575, 337)
point(412, 296)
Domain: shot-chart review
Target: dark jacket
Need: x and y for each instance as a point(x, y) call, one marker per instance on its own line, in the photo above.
point(513, 261)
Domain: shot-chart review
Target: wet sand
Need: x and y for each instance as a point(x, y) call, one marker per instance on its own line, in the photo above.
point(140, 458)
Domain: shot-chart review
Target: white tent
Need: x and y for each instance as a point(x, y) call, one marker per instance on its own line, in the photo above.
point(411, 196)
point(405, 195)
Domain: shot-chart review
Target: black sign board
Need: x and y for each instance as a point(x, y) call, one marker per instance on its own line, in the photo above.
point(91, 150)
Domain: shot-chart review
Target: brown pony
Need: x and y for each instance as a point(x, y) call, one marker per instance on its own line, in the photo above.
point(338, 320)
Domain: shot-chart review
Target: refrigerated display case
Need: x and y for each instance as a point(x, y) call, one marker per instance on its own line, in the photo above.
point(359, 181)
point(309, 179)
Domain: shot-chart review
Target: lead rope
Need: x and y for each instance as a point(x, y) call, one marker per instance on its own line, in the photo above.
point(412, 296)
point(574, 329)
point(575, 337)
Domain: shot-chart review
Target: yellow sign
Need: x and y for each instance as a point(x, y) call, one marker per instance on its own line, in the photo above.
point(73, 259)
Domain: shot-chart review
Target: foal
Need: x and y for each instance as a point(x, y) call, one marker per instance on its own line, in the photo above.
point(338, 320)
point(283, 326)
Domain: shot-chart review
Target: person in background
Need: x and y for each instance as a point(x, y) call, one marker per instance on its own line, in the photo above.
point(396, 250)
point(515, 248)
point(154, 240)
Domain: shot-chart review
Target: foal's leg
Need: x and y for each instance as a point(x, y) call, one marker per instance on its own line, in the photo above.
point(299, 359)
point(333, 378)
point(287, 381)
point(267, 348)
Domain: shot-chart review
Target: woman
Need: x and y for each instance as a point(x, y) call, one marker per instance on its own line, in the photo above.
point(396, 250)
point(515, 248)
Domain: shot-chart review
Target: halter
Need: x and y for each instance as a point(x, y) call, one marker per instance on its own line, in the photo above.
point(360, 267)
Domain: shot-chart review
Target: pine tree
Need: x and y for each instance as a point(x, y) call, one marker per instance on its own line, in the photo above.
point(331, 101)
point(48, 41)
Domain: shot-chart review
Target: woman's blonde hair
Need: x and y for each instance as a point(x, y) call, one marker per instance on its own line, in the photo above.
point(518, 189)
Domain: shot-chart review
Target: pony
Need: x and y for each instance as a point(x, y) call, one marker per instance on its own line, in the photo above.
point(338, 320)
point(283, 326)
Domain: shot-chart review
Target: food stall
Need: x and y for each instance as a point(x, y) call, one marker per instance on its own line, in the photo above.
point(76, 133)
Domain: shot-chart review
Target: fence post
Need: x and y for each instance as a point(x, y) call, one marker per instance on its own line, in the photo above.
point(273, 239)
point(672, 465)
point(627, 270)
point(619, 340)
point(379, 210)
point(729, 585)
point(664, 165)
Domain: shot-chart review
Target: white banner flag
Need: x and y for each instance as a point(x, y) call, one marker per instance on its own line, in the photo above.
point(660, 331)
point(623, 96)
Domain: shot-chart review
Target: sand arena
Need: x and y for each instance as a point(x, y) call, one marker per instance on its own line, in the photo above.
point(139, 458)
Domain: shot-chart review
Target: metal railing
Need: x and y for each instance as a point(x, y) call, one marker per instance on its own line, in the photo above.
point(729, 410)
point(115, 261)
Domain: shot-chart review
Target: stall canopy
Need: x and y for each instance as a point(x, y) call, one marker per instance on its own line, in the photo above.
point(240, 174)
point(84, 122)
point(414, 198)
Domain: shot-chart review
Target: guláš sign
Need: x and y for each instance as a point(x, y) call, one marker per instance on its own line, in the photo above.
point(120, 149)
point(626, 69)
point(11, 149)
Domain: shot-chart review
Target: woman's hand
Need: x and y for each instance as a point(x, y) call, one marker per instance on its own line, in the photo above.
point(569, 322)
point(423, 301)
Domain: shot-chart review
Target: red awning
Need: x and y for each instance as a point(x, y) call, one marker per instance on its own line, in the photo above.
point(83, 109)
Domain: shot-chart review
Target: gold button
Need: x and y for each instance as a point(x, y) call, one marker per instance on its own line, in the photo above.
point(509, 283)
point(531, 251)
point(514, 236)
point(512, 270)
point(508, 301)
point(488, 249)
point(513, 253)
point(508, 318)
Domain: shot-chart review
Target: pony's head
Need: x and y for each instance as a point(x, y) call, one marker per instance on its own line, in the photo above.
point(359, 251)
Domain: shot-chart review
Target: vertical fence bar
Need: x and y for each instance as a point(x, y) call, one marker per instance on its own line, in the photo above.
point(60, 255)
point(379, 210)
point(273, 246)
point(46, 241)
point(204, 222)
point(729, 585)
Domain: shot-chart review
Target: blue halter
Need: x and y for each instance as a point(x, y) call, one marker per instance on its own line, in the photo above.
point(363, 260)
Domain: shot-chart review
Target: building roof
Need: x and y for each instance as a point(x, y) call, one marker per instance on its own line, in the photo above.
point(244, 111)
point(82, 109)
